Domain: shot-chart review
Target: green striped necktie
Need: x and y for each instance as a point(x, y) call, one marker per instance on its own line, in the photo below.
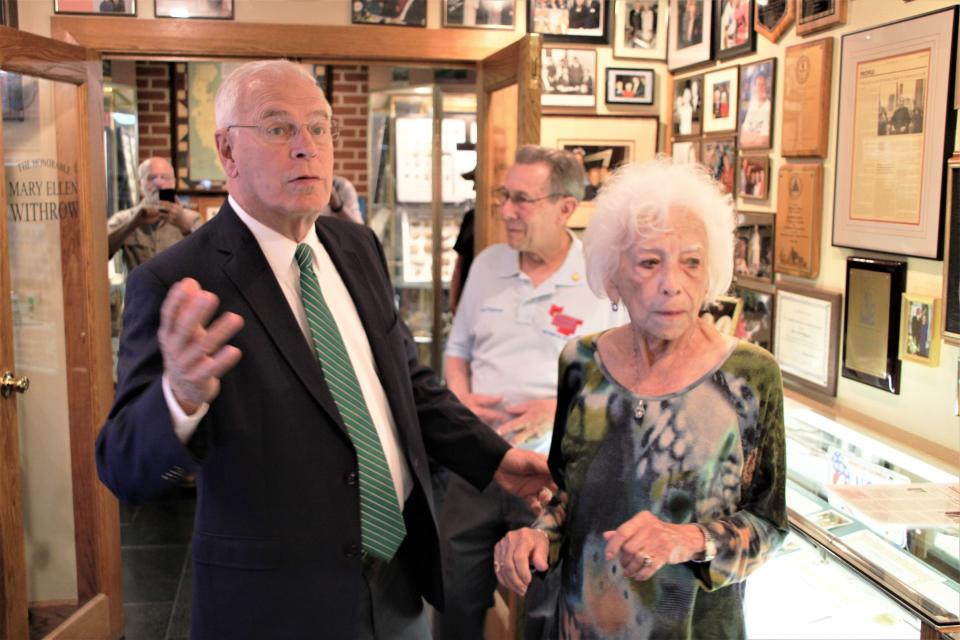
point(381, 521)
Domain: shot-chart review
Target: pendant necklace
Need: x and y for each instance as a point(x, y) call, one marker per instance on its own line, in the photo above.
point(640, 407)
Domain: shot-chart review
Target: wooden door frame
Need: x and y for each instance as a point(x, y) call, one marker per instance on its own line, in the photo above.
point(86, 319)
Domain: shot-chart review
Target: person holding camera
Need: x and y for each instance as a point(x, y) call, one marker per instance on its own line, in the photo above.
point(155, 223)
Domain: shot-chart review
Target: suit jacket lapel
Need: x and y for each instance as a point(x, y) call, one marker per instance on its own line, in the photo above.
point(247, 267)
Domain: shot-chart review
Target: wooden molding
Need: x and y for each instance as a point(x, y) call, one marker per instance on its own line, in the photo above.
point(89, 622)
point(215, 38)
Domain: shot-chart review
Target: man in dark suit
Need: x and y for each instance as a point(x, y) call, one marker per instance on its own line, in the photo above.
point(307, 420)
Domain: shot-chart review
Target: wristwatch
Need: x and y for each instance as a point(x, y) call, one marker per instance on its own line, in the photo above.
point(709, 545)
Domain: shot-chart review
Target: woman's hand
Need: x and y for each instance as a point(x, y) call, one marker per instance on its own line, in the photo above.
point(516, 553)
point(645, 543)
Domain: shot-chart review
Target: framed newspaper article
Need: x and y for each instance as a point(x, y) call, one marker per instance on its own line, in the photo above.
point(895, 133)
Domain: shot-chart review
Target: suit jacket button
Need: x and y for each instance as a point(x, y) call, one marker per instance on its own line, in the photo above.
point(350, 478)
point(352, 551)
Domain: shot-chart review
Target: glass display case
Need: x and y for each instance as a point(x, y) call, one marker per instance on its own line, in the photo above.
point(874, 548)
point(418, 133)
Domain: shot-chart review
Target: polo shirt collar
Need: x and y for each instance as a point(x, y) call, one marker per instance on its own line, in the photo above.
point(571, 272)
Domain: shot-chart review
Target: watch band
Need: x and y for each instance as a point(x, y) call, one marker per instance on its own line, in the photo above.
point(709, 545)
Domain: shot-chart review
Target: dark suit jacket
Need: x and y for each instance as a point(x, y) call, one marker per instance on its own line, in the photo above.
point(276, 542)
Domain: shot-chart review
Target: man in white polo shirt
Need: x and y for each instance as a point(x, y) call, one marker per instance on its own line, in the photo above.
point(522, 302)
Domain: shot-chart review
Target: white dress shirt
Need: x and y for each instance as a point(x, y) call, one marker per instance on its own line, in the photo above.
point(279, 252)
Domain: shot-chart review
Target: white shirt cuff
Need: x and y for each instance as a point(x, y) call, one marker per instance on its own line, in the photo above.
point(183, 425)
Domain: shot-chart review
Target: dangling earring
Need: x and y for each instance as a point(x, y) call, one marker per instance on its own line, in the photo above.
point(614, 306)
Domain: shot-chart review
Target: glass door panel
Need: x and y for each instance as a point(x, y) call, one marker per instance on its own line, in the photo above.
point(40, 142)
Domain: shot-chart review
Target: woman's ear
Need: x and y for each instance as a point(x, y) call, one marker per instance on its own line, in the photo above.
point(612, 292)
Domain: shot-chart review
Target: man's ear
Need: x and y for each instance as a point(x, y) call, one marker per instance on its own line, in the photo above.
point(225, 151)
point(568, 204)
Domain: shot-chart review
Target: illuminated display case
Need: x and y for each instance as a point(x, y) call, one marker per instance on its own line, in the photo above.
point(873, 552)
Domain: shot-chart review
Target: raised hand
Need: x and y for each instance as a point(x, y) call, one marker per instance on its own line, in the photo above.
point(195, 352)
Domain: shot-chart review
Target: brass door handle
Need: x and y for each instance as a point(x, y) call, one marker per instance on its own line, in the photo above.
point(9, 384)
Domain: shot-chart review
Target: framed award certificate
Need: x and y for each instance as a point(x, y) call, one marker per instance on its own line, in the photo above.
point(806, 340)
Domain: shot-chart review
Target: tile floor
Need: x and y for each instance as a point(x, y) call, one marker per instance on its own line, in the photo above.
point(155, 549)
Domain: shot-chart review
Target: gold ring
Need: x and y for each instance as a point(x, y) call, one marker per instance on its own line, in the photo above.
point(647, 561)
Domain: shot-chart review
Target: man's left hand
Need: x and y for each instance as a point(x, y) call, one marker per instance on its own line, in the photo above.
point(533, 418)
point(525, 474)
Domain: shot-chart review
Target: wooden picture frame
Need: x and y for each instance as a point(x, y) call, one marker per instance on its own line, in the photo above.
point(891, 152)
point(753, 177)
point(920, 329)
point(807, 74)
point(584, 21)
point(734, 35)
point(575, 87)
point(405, 13)
point(773, 17)
point(799, 206)
point(483, 14)
point(690, 41)
point(754, 248)
point(687, 106)
point(630, 86)
point(637, 135)
point(116, 8)
point(756, 322)
point(817, 15)
point(951, 260)
point(721, 91)
point(211, 10)
point(871, 330)
point(755, 120)
point(719, 156)
point(725, 312)
point(640, 29)
point(807, 337)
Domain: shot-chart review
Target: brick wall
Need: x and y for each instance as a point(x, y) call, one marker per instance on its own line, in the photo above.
point(350, 108)
point(153, 109)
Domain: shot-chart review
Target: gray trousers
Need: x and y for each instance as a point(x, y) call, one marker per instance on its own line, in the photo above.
point(471, 524)
point(390, 605)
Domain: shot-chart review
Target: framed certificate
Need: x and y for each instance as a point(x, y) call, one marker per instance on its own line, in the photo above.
point(806, 339)
point(799, 203)
point(894, 135)
point(871, 335)
point(807, 70)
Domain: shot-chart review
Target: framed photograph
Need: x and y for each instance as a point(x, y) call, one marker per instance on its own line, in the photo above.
point(757, 81)
point(799, 205)
point(407, 13)
point(817, 15)
point(871, 334)
point(951, 262)
point(686, 152)
point(603, 142)
point(689, 42)
point(720, 106)
point(217, 9)
point(482, 14)
point(687, 105)
point(891, 148)
point(753, 248)
point(756, 317)
point(568, 77)
point(920, 329)
point(754, 182)
point(807, 72)
point(734, 35)
point(719, 155)
point(640, 29)
point(101, 7)
point(630, 86)
point(771, 18)
point(807, 337)
point(725, 313)
point(569, 20)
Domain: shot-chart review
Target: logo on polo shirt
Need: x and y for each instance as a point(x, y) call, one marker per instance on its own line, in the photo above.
point(566, 325)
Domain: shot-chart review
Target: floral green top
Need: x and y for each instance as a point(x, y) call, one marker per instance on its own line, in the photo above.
point(711, 453)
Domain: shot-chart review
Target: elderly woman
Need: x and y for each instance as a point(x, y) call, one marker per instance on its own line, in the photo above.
point(668, 445)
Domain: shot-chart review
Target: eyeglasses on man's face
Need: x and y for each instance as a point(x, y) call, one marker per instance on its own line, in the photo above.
point(282, 131)
point(518, 198)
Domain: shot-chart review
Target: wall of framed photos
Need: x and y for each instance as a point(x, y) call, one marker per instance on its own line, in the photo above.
point(627, 80)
